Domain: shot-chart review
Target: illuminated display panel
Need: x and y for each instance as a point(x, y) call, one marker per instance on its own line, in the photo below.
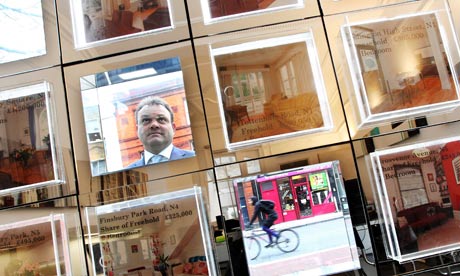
point(270, 89)
point(102, 20)
point(35, 247)
point(145, 234)
point(29, 155)
point(299, 208)
point(417, 194)
point(400, 67)
point(116, 138)
point(23, 34)
point(223, 10)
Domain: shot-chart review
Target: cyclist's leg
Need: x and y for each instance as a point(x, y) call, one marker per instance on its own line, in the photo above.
point(270, 223)
point(270, 232)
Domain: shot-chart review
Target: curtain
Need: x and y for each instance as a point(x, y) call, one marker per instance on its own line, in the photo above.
point(32, 133)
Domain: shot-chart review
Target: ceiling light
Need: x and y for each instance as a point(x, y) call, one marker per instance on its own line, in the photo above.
point(137, 74)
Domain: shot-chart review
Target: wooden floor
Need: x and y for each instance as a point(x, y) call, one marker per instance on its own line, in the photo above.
point(426, 92)
point(442, 235)
point(235, 7)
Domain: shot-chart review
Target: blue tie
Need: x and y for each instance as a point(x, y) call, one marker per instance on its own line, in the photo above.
point(156, 159)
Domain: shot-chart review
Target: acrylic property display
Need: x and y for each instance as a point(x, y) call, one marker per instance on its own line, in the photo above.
point(35, 247)
point(23, 34)
point(401, 65)
point(109, 103)
point(269, 89)
point(166, 233)
point(224, 10)
point(28, 154)
point(418, 196)
point(312, 213)
point(100, 20)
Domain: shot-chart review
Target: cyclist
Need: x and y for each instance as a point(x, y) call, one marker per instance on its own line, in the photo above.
point(269, 215)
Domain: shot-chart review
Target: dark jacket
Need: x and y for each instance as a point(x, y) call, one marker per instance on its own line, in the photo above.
point(264, 207)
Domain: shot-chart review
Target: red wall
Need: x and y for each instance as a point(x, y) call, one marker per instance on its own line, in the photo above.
point(448, 153)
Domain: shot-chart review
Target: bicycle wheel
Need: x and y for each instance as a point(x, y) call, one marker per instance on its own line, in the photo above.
point(253, 248)
point(288, 240)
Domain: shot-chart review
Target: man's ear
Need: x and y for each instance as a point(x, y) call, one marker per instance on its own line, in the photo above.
point(174, 126)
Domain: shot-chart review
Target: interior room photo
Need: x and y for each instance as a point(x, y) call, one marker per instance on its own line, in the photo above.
point(104, 19)
point(269, 91)
point(404, 64)
point(423, 196)
point(25, 146)
point(220, 8)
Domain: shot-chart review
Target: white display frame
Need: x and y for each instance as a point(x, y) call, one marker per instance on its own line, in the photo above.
point(217, 128)
point(384, 195)
point(322, 247)
point(203, 24)
point(49, 83)
point(317, 78)
point(359, 125)
point(52, 55)
point(366, 116)
point(52, 219)
point(72, 19)
point(167, 202)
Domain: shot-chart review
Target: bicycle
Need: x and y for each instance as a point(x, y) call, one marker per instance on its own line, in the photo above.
point(287, 241)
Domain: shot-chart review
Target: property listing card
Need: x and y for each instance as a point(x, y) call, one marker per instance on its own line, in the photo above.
point(401, 66)
point(155, 235)
point(35, 247)
point(270, 89)
point(25, 19)
point(418, 189)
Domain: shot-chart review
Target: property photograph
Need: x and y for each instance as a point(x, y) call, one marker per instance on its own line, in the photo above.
point(270, 90)
point(422, 185)
point(27, 248)
point(25, 144)
point(401, 64)
point(220, 8)
point(157, 235)
point(104, 19)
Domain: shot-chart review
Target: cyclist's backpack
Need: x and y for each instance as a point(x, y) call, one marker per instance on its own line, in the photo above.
point(268, 204)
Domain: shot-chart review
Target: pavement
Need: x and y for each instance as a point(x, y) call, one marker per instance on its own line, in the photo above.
point(327, 246)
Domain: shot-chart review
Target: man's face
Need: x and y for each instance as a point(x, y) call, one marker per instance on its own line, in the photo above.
point(154, 128)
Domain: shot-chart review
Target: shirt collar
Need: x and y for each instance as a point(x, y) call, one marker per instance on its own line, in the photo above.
point(165, 153)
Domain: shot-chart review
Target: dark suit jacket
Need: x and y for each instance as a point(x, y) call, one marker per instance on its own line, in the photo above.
point(176, 154)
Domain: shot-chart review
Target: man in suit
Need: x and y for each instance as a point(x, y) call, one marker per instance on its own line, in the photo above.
point(155, 129)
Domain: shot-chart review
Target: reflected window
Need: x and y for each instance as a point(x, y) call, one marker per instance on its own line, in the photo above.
point(249, 90)
point(288, 79)
point(285, 194)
